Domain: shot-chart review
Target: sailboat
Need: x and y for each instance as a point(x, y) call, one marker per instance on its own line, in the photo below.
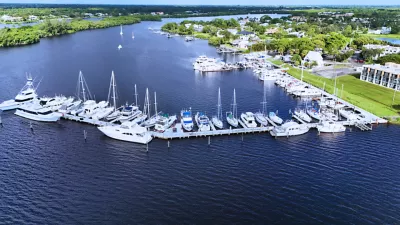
point(119, 47)
point(260, 116)
point(231, 117)
point(157, 115)
point(83, 94)
point(133, 36)
point(112, 95)
point(121, 33)
point(146, 110)
point(216, 120)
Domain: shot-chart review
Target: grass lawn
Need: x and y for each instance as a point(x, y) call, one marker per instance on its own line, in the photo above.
point(394, 36)
point(371, 97)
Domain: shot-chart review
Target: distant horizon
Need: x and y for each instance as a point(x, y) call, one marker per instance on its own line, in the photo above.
point(311, 3)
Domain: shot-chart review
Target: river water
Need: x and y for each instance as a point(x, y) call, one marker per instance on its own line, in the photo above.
point(52, 176)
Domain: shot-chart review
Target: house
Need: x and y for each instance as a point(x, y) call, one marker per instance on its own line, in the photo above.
point(233, 31)
point(297, 34)
point(314, 56)
point(386, 49)
point(10, 18)
point(386, 30)
point(243, 44)
point(32, 18)
point(198, 27)
point(272, 31)
point(374, 31)
point(187, 25)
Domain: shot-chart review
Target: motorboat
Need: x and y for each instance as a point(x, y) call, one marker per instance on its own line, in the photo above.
point(164, 123)
point(308, 92)
point(268, 75)
point(187, 120)
point(26, 95)
point(248, 119)
point(140, 119)
point(290, 128)
point(302, 115)
point(330, 116)
point(314, 113)
point(88, 109)
point(202, 121)
point(330, 127)
point(37, 112)
point(276, 119)
point(127, 131)
point(67, 108)
point(217, 120)
point(348, 113)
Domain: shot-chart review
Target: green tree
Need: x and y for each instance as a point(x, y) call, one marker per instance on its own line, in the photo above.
point(265, 18)
point(296, 59)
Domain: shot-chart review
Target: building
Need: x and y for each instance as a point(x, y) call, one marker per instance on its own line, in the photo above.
point(272, 31)
point(386, 76)
point(386, 30)
point(32, 18)
point(314, 56)
point(387, 49)
point(297, 34)
point(7, 18)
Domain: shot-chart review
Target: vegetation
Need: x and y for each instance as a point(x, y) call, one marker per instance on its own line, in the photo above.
point(31, 34)
point(371, 97)
point(395, 58)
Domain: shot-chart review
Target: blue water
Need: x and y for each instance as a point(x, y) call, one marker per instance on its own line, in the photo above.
point(391, 40)
point(52, 176)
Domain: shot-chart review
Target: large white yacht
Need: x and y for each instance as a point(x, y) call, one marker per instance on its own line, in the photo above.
point(164, 123)
point(187, 120)
point(330, 127)
point(289, 129)
point(26, 95)
point(202, 121)
point(248, 119)
point(37, 112)
point(127, 131)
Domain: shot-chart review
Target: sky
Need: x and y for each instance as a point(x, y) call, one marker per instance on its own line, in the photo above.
point(214, 2)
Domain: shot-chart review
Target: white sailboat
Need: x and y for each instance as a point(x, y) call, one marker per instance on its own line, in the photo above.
point(146, 110)
point(103, 112)
point(121, 33)
point(302, 115)
point(231, 117)
point(83, 94)
point(26, 95)
point(314, 113)
point(216, 120)
point(261, 118)
point(275, 118)
point(119, 47)
point(133, 36)
point(156, 117)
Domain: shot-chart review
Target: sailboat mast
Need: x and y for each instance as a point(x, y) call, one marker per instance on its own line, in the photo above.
point(155, 103)
point(83, 86)
point(113, 84)
point(264, 103)
point(219, 113)
point(234, 104)
point(135, 96)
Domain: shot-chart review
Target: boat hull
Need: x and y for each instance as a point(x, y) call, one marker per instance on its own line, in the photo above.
point(52, 117)
point(274, 133)
point(217, 123)
point(261, 119)
point(331, 129)
point(233, 122)
point(134, 138)
point(11, 104)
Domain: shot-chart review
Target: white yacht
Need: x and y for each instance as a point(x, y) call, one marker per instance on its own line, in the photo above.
point(202, 121)
point(67, 108)
point(268, 75)
point(248, 119)
point(26, 95)
point(231, 117)
point(330, 127)
point(217, 120)
point(37, 112)
point(330, 116)
point(308, 92)
point(187, 120)
point(128, 113)
point(127, 131)
point(348, 113)
point(314, 113)
point(302, 115)
point(164, 123)
point(289, 129)
point(276, 119)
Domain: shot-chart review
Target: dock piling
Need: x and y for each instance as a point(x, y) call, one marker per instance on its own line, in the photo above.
point(30, 126)
point(209, 140)
point(1, 122)
point(168, 144)
point(84, 135)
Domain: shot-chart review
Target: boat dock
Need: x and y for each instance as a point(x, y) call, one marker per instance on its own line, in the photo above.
point(86, 120)
point(176, 132)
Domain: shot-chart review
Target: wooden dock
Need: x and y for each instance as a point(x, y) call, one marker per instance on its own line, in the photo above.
point(177, 132)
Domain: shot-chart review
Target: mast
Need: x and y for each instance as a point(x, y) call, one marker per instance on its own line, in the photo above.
point(234, 104)
point(155, 103)
point(146, 108)
point(112, 91)
point(136, 95)
point(264, 102)
point(219, 113)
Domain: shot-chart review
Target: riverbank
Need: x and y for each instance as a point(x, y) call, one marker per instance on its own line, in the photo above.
point(26, 35)
point(370, 97)
point(394, 36)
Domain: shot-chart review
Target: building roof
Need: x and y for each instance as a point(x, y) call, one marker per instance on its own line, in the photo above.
point(244, 32)
point(314, 56)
